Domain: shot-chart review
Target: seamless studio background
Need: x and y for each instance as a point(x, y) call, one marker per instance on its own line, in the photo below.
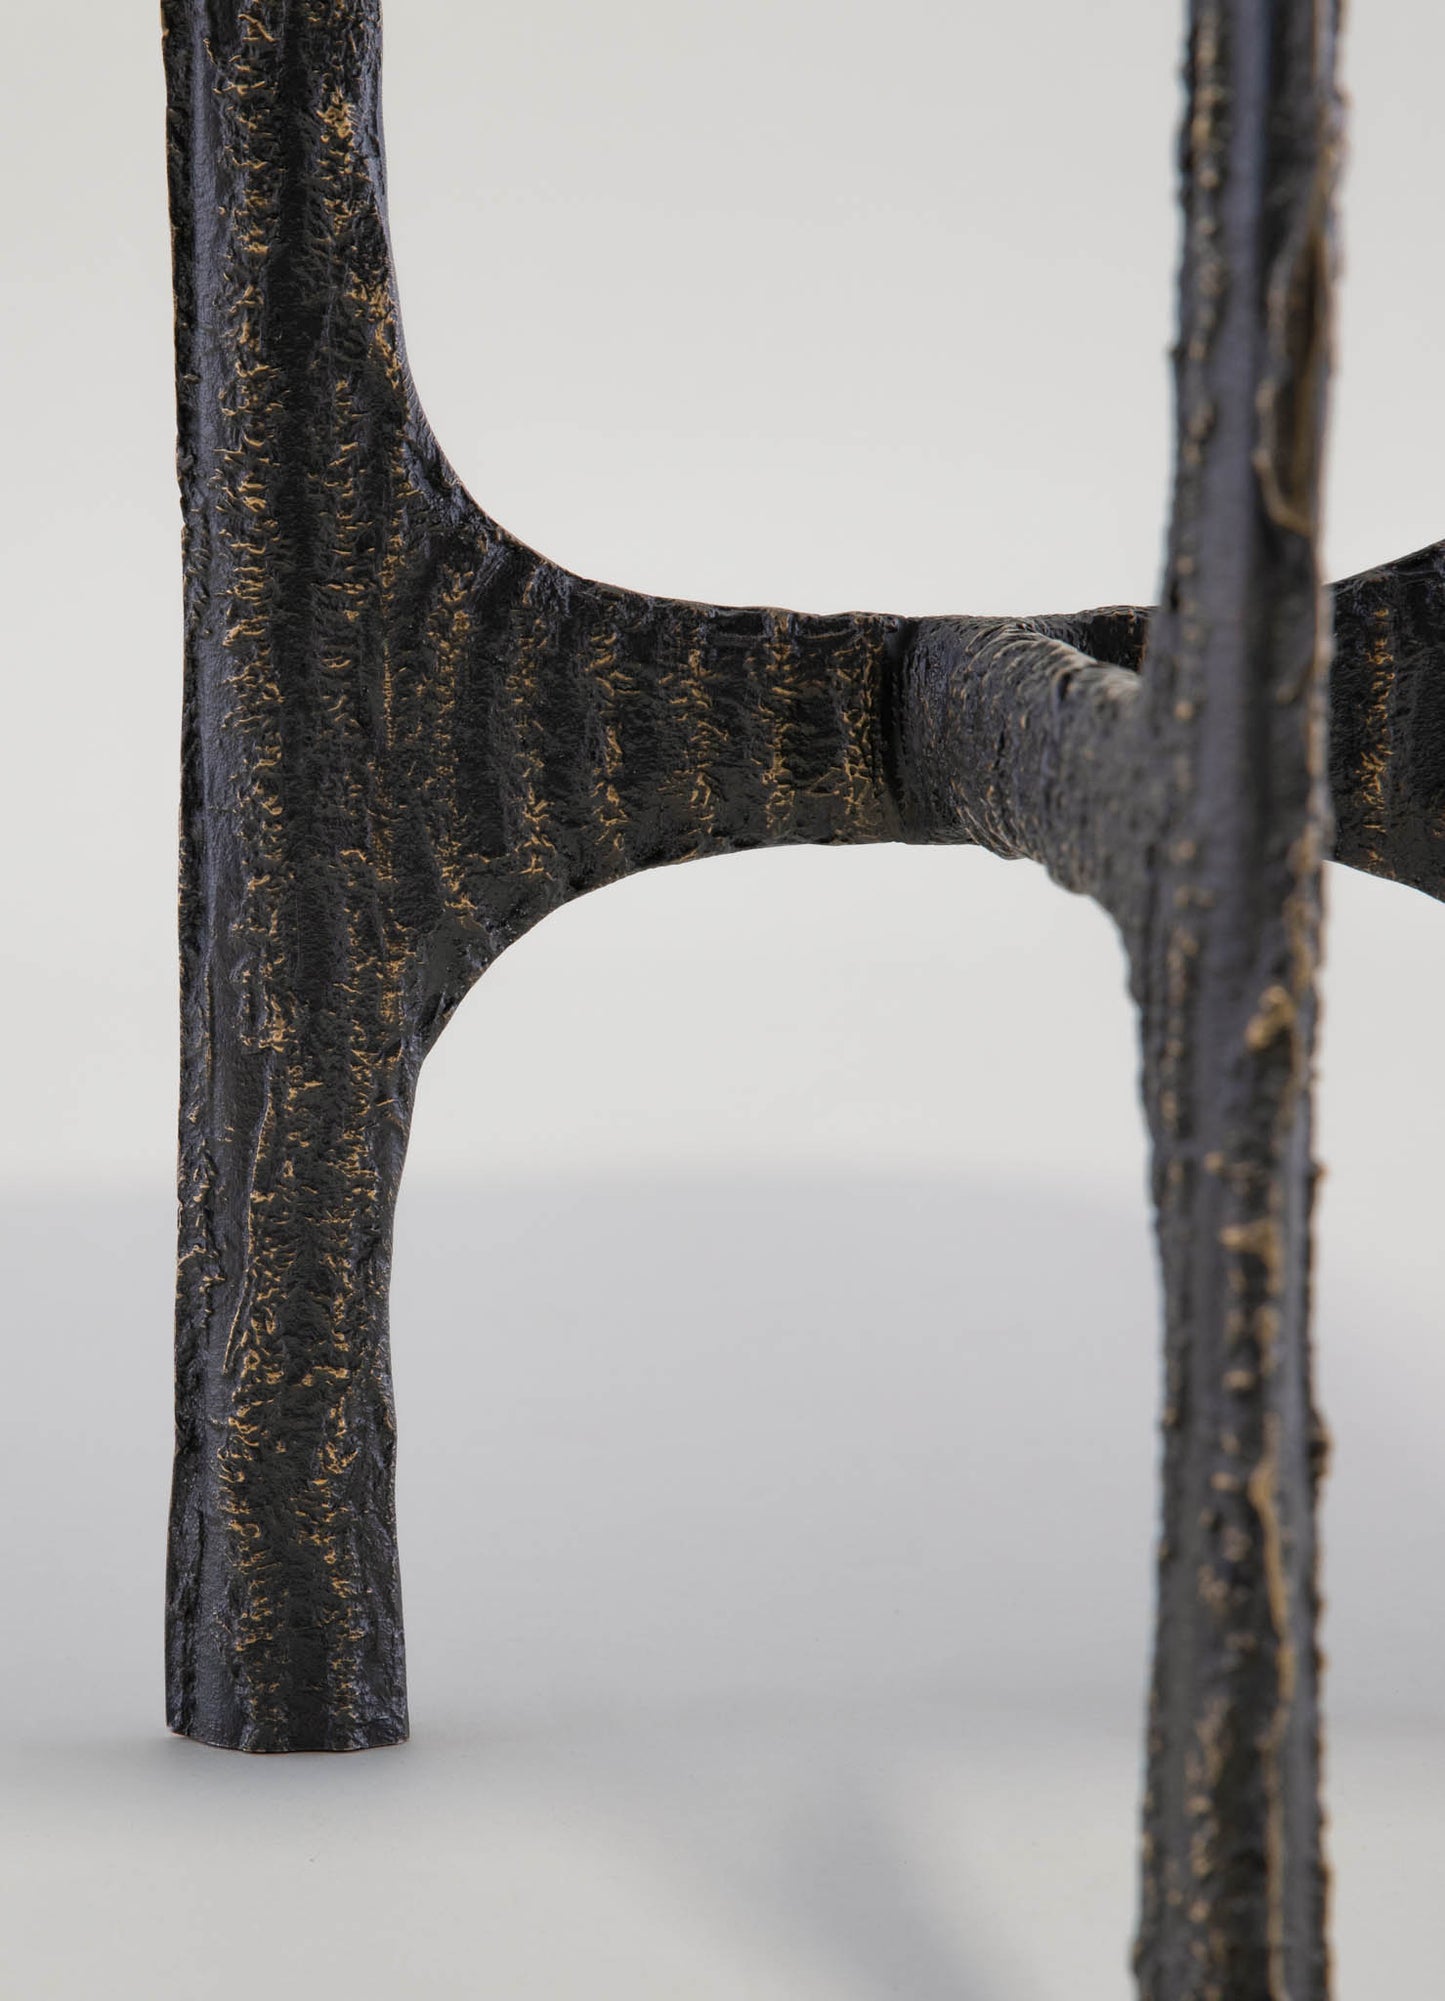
point(774, 1303)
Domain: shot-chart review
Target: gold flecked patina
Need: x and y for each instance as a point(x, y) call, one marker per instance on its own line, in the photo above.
point(408, 738)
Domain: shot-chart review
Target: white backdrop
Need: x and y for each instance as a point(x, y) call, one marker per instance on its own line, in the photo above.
point(818, 304)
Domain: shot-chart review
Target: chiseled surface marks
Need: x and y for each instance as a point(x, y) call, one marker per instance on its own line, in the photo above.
point(1386, 711)
point(407, 738)
point(1387, 721)
point(1224, 965)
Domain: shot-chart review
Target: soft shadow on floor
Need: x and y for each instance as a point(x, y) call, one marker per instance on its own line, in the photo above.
point(777, 1557)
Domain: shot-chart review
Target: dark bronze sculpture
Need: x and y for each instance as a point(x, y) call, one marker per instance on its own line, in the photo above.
point(408, 738)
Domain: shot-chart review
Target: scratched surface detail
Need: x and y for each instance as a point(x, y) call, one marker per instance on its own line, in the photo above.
point(407, 738)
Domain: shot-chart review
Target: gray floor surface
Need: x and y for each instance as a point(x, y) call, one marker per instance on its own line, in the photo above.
point(777, 1564)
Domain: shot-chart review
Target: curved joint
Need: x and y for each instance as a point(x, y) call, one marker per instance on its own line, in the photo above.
point(1012, 738)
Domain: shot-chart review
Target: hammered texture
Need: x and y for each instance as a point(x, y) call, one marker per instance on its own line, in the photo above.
point(408, 738)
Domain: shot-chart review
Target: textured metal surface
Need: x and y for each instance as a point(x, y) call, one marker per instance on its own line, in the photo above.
point(1224, 965)
point(408, 737)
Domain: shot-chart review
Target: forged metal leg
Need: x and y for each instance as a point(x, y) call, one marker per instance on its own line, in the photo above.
point(408, 738)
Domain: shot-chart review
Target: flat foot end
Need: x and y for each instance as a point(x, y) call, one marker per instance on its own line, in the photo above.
point(273, 1737)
